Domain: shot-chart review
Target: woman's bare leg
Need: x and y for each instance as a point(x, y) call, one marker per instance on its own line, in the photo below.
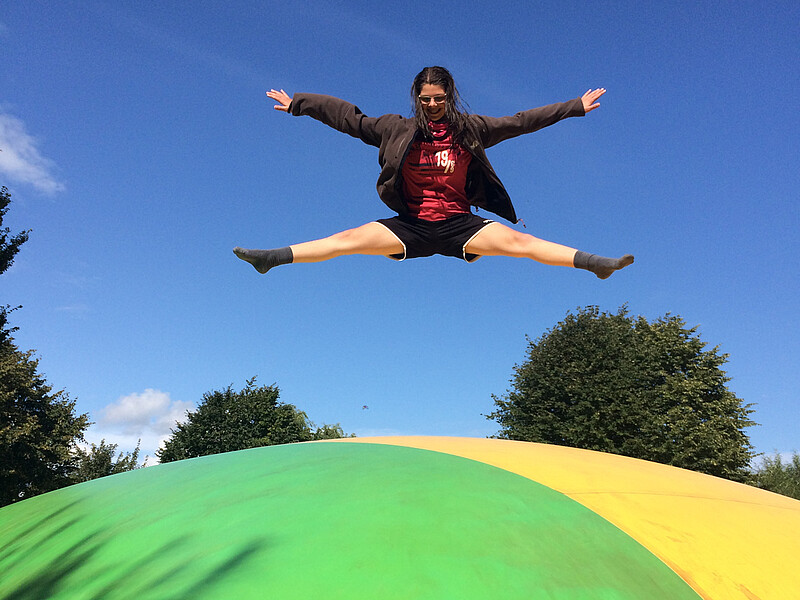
point(372, 239)
point(498, 240)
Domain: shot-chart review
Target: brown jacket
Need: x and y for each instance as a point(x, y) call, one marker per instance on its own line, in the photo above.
point(393, 134)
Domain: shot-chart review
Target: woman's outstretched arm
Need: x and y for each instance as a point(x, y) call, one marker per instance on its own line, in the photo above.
point(334, 112)
point(494, 130)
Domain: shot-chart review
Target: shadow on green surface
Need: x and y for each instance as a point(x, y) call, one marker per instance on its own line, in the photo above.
point(37, 564)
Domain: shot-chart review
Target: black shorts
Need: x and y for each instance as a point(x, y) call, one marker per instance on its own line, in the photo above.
point(426, 238)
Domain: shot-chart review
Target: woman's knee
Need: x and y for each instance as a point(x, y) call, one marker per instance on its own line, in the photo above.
point(343, 237)
point(353, 238)
point(519, 242)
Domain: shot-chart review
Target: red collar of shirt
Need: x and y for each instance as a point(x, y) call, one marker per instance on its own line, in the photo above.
point(439, 129)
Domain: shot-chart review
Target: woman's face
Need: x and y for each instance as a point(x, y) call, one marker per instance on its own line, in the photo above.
point(433, 99)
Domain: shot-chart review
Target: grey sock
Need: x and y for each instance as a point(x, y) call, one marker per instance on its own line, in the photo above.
point(264, 260)
point(602, 266)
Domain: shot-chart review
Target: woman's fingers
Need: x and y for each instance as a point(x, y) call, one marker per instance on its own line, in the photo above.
point(590, 98)
point(282, 98)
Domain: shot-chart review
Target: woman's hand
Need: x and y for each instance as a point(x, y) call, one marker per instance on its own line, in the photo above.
point(589, 99)
point(283, 99)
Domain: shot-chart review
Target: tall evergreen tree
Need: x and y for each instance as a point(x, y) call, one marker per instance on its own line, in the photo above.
point(39, 429)
point(9, 246)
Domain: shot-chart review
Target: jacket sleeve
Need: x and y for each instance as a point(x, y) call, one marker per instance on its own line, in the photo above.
point(493, 130)
point(340, 115)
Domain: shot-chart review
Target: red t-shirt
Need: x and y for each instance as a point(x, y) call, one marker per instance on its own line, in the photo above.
point(435, 176)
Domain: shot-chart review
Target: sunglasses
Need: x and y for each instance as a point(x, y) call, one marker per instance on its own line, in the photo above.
point(425, 100)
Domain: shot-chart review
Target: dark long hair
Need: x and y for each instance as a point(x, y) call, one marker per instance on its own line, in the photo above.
point(456, 110)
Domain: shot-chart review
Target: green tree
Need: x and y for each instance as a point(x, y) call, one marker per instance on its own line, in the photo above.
point(100, 461)
point(619, 384)
point(779, 477)
point(227, 420)
point(9, 246)
point(39, 429)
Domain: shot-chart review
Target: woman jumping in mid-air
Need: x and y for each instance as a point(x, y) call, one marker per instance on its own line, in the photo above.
point(433, 169)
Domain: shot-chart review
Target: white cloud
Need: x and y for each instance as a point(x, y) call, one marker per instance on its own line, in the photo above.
point(20, 159)
point(149, 416)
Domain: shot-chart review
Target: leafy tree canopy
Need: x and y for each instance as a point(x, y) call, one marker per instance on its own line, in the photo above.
point(100, 461)
point(777, 476)
point(620, 384)
point(228, 420)
point(39, 429)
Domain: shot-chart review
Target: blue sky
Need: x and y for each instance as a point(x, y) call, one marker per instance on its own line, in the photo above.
point(139, 146)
